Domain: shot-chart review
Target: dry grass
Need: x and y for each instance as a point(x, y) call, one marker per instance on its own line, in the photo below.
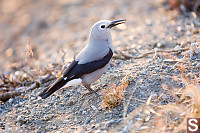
point(153, 116)
point(30, 60)
point(113, 95)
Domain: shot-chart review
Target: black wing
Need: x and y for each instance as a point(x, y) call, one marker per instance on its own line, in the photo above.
point(81, 69)
point(59, 83)
point(76, 70)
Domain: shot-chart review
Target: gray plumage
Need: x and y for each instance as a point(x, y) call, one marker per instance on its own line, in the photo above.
point(91, 62)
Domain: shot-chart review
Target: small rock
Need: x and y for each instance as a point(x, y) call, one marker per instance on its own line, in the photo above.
point(70, 103)
point(84, 112)
point(32, 98)
point(54, 127)
point(163, 66)
point(164, 97)
point(157, 70)
point(21, 119)
point(176, 118)
point(11, 100)
point(107, 112)
point(24, 126)
point(88, 120)
point(65, 121)
point(93, 107)
point(33, 111)
point(143, 128)
point(154, 96)
point(149, 23)
point(177, 47)
point(58, 122)
point(17, 106)
point(151, 67)
point(142, 93)
point(111, 122)
point(161, 45)
point(71, 130)
point(94, 127)
point(160, 60)
point(144, 87)
point(118, 61)
point(143, 72)
point(198, 65)
point(193, 64)
point(38, 121)
point(53, 98)
point(170, 61)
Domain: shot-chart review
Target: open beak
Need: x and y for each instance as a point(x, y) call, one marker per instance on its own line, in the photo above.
point(114, 23)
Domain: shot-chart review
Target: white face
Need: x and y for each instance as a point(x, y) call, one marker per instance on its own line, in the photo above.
point(100, 30)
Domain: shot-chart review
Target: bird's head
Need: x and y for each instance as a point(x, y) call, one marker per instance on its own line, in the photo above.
point(101, 29)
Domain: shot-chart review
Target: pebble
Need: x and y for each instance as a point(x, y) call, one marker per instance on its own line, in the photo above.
point(154, 96)
point(21, 119)
point(163, 66)
point(161, 45)
point(53, 98)
point(107, 112)
point(71, 130)
point(193, 64)
point(160, 60)
point(143, 128)
point(151, 67)
point(176, 118)
point(11, 100)
point(118, 61)
point(157, 70)
point(93, 107)
point(70, 103)
point(32, 98)
point(170, 61)
point(24, 126)
point(198, 65)
point(143, 72)
point(66, 121)
point(33, 111)
point(111, 122)
point(88, 120)
point(144, 87)
point(38, 121)
point(58, 122)
point(164, 97)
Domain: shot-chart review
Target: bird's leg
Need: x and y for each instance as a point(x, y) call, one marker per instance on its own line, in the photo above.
point(91, 90)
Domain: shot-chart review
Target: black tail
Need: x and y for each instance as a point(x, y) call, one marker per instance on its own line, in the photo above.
point(54, 87)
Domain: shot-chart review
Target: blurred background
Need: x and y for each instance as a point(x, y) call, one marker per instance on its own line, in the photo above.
point(61, 28)
point(54, 27)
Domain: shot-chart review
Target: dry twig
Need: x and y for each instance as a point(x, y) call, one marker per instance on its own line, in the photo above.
point(5, 96)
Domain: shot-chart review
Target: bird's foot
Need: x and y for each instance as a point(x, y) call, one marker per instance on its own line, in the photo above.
point(92, 91)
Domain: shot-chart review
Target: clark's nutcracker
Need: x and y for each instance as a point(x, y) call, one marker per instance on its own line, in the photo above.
point(91, 62)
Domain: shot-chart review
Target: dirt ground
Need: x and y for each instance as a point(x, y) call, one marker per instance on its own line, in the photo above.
point(59, 29)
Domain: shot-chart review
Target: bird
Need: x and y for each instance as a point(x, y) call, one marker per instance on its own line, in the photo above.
point(91, 62)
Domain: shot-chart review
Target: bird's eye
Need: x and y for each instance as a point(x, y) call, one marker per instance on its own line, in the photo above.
point(103, 26)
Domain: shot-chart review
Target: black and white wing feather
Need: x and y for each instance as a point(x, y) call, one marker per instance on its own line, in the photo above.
point(75, 71)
